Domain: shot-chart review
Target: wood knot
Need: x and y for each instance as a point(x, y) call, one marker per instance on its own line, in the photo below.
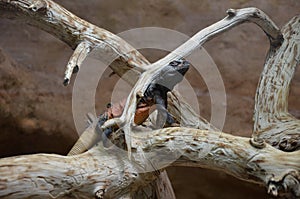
point(66, 82)
point(272, 189)
point(75, 69)
point(100, 194)
point(257, 143)
point(231, 12)
point(39, 6)
point(287, 183)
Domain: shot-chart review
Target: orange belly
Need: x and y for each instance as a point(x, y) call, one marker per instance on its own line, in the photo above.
point(142, 113)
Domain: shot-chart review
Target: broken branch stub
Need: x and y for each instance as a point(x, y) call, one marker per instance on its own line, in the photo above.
point(74, 31)
point(99, 169)
point(234, 18)
point(102, 173)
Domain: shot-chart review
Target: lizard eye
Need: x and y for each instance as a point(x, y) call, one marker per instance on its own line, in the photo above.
point(174, 63)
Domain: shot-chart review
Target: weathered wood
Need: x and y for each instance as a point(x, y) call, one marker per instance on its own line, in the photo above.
point(275, 169)
point(74, 176)
point(56, 20)
point(81, 36)
point(234, 18)
point(109, 173)
point(272, 121)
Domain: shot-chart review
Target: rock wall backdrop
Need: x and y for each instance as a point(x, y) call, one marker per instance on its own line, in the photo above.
point(36, 110)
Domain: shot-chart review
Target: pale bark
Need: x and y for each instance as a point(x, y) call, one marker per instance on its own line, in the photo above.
point(272, 121)
point(235, 17)
point(110, 173)
point(77, 33)
point(83, 37)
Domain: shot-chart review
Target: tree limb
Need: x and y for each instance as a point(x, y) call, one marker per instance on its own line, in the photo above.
point(272, 121)
point(235, 17)
point(56, 20)
point(113, 174)
point(105, 173)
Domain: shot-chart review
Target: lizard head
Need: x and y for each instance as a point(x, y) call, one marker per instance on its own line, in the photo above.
point(180, 65)
point(173, 73)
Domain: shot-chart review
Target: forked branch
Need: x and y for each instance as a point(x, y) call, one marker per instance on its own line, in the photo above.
point(77, 33)
point(104, 173)
point(234, 18)
point(51, 17)
point(272, 121)
point(111, 173)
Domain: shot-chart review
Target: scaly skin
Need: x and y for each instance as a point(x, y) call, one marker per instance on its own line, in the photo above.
point(155, 94)
point(89, 138)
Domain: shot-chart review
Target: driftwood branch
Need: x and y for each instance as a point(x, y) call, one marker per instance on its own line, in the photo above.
point(272, 121)
point(234, 18)
point(56, 20)
point(108, 173)
point(105, 171)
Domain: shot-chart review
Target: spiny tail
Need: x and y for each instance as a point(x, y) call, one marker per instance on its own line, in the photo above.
point(86, 140)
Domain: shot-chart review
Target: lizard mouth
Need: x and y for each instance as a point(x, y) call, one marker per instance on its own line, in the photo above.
point(185, 67)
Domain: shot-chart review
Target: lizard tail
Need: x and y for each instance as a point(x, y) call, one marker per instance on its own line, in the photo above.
point(87, 139)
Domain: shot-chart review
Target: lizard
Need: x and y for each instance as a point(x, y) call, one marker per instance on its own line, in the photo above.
point(155, 94)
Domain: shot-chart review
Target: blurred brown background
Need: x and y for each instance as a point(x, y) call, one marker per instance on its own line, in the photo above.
point(35, 109)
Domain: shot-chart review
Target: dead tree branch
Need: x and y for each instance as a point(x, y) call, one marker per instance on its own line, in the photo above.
point(272, 121)
point(105, 171)
point(77, 33)
point(235, 17)
point(108, 173)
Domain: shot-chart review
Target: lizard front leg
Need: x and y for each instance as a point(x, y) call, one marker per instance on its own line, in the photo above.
point(163, 116)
